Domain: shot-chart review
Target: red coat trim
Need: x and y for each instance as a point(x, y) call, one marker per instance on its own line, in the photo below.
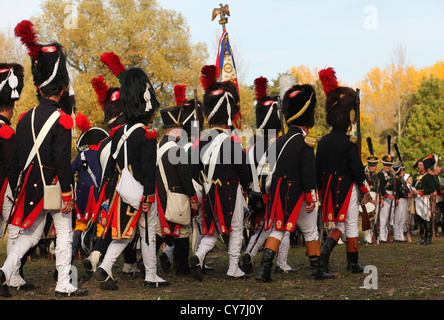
point(6, 132)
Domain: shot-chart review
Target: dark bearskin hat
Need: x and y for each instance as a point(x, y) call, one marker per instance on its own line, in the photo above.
point(342, 102)
point(267, 113)
point(221, 99)
point(298, 105)
point(48, 62)
point(91, 136)
point(109, 100)
point(139, 101)
point(11, 84)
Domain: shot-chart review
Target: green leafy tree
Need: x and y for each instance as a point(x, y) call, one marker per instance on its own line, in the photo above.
point(424, 134)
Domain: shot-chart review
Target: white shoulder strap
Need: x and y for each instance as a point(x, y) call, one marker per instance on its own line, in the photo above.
point(125, 137)
point(210, 158)
point(280, 153)
point(163, 149)
point(42, 134)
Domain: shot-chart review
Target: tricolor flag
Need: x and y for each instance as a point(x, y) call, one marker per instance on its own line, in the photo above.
point(227, 68)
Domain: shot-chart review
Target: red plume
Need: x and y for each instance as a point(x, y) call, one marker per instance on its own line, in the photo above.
point(180, 94)
point(82, 123)
point(112, 61)
point(209, 76)
point(328, 80)
point(27, 35)
point(261, 87)
point(101, 89)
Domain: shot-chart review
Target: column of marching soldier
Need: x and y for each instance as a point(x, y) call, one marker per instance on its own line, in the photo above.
point(126, 191)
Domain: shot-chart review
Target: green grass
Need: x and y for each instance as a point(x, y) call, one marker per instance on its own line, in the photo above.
point(406, 271)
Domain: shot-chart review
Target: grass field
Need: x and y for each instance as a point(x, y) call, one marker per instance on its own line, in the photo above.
point(404, 271)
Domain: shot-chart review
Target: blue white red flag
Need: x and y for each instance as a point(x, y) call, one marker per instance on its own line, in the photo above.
point(227, 68)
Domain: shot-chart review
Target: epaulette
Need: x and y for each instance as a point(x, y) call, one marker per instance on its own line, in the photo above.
point(66, 120)
point(312, 142)
point(114, 130)
point(150, 133)
point(354, 139)
point(6, 132)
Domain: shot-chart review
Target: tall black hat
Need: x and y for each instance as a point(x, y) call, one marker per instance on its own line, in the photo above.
point(48, 62)
point(11, 83)
point(267, 113)
point(388, 160)
point(221, 99)
point(342, 102)
point(109, 100)
point(298, 105)
point(372, 160)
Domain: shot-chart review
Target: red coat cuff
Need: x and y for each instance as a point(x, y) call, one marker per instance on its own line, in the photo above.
point(151, 198)
point(310, 196)
point(67, 196)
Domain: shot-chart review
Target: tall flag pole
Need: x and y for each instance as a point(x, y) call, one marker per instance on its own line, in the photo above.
point(225, 59)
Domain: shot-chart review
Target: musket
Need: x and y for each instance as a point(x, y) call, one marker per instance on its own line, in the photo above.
point(281, 114)
point(389, 238)
point(409, 236)
point(377, 213)
point(364, 214)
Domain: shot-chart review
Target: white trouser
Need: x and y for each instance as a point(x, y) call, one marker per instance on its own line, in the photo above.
point(148, 251)
point(349, 227)
point(235, 240)
point(384, 213)
point(252, 247)
point(284, 246)
point(307, 223)
point(13, 231)
point(63, 250)
point(400, 220)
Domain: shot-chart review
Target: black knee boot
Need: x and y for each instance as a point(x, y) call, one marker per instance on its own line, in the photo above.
point(326, 250)
point(264, 272)
point(428, 233)
point(317, 269)
point(181, 253)
point(352, 263)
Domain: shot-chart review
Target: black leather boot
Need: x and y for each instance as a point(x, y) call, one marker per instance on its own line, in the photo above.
point(318, 272)
point(352, 263)
point(326, 250)
point(4, 289)
point(180, 253)
point(196, 268)
point(264, 271)
point(428, 233)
